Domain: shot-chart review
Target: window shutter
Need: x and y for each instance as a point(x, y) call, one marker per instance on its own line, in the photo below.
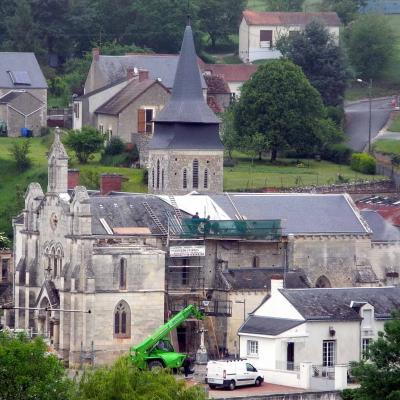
point(141, 121)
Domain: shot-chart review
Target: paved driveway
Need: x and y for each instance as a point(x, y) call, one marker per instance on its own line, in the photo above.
point(357, 121)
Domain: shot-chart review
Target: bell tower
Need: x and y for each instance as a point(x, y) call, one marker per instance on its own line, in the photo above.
point(186, 153)
point(57, 166)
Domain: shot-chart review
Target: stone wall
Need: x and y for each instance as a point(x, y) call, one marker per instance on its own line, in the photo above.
point(173, 163)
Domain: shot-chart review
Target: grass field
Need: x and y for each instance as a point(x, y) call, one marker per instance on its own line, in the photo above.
point(260, 174)
point(395, 125)
point(387, 146)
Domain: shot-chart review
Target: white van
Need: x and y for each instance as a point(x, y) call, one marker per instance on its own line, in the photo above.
point(232, 373)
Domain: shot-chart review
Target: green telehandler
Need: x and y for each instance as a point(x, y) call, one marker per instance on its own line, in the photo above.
point(156, 350)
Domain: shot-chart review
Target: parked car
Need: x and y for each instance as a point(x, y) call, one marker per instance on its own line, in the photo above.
point(231, 373)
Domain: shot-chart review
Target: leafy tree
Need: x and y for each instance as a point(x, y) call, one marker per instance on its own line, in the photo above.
point(279, 103)
point(84, 142)
point(321, 60)
point(220, 18)
point(29, 372)
point(285, 5)
point(347, 10)
point(380, 375)
point(124, 381)
point(371, 44)
point(229, 135)
point(5, 242)
point(20, 153)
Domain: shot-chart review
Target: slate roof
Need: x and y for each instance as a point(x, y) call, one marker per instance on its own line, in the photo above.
point(19, 61)
point(334, 304)
point(382, 230)
point(126, 96)
point(260, 278)
point(161, 66)
point(187, 102)
point(300, 213)
point(231, 72)
point(289, 18)
point(24, 102)
point(127, 211)
point(268, 326)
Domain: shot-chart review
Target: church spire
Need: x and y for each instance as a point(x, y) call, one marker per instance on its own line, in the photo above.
point(187, 103)
point(57, 166)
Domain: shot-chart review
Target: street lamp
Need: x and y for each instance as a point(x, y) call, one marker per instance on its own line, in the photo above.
point(370, 109)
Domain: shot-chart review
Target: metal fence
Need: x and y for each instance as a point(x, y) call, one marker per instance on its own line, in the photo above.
point(323, 372)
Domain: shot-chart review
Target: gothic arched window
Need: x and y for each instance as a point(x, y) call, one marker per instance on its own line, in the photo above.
point(206, 178)
point(184, 178)
point(152, 177)
point(323, 282)
point(162, 179)
point(122, 320)
point(195, 174)
point(122, 273)
point(158, 174)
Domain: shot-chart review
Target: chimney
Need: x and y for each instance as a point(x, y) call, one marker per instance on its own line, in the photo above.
point(276, 283)
point(96, 53)
point(110, 183)
point(73, 178)
point(130, 73)
point(143, 74)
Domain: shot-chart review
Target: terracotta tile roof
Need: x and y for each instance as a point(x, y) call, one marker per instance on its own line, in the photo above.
point(216, 84)
point(231, 72)
point(289, 18)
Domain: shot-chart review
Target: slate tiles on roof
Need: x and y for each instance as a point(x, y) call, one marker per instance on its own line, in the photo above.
point(300, 214)
point(334, 304)
point(20, 61)
point(382, 230)
point(268, 326)
point(290, 18)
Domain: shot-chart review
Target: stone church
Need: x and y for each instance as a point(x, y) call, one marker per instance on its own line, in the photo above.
point(186, 152)
point(93, 297)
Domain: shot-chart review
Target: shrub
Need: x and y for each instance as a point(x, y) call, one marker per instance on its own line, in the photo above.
point(338, 153)
point(115, 146)
point(118, 160)
point(90, 179)
point(20, 153)
point(44, 131)
point(336, 114)
point(363, 162)
point(132, 156)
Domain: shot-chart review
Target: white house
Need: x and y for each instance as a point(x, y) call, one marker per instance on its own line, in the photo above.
point(259, 31)
point(321, 326)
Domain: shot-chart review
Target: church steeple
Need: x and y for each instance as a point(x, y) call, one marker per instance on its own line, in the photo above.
point(187, 103)
point(57, 166)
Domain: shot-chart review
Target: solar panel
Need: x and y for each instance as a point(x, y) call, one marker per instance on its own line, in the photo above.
point(20, 77)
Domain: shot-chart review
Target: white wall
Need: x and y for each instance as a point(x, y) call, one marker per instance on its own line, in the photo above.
point(77, 121)
point(243, 40)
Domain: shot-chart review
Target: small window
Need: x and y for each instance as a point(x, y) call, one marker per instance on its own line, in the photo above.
point(101, 128)
point(184, 178)
point(206, 178)
point(266, 38)
point(152, 177)
point(195, 174)
point(364, 347)
point(328, 353)
point(122, 274)
point(76, 110)
point(252, 348)
point(4, 269)
point(149, 120)
point(256, 261)
point(122, 320)
point(158, 174)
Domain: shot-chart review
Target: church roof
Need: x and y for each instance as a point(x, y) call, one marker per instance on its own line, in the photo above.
point(187, 102)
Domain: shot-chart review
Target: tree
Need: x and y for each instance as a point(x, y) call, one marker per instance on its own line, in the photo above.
point(347, 10)
point(220, 18)
point(29, 372)
point(285, 5)
point(124, 381)
point(229, 134)
point(379, 376)
point(84, 142)
point(321, 60)
point(20, 153)
point(371, 44)
point(5, 242)
point(279, 103)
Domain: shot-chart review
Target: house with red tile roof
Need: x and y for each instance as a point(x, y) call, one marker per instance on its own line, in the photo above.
point(259, 31)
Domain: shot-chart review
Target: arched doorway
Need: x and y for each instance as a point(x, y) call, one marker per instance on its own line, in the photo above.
point(323, 282)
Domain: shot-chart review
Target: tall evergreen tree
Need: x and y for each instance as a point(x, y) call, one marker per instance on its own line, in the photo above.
point(321, 60)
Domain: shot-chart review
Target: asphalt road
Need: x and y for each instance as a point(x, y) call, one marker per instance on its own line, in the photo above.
point(357, 121)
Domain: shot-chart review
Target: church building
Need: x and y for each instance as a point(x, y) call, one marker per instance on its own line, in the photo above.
point(186, 153)
point(93, 297)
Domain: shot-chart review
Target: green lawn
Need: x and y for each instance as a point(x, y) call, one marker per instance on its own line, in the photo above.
point(263, 174)
point(14, 184)
point(395, 125)
point(387, 146)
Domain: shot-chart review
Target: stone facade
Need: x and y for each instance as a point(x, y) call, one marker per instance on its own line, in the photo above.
point(92, 297)
point(168, 170)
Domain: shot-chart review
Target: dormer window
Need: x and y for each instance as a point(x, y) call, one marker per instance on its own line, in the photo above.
point(367, 318)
